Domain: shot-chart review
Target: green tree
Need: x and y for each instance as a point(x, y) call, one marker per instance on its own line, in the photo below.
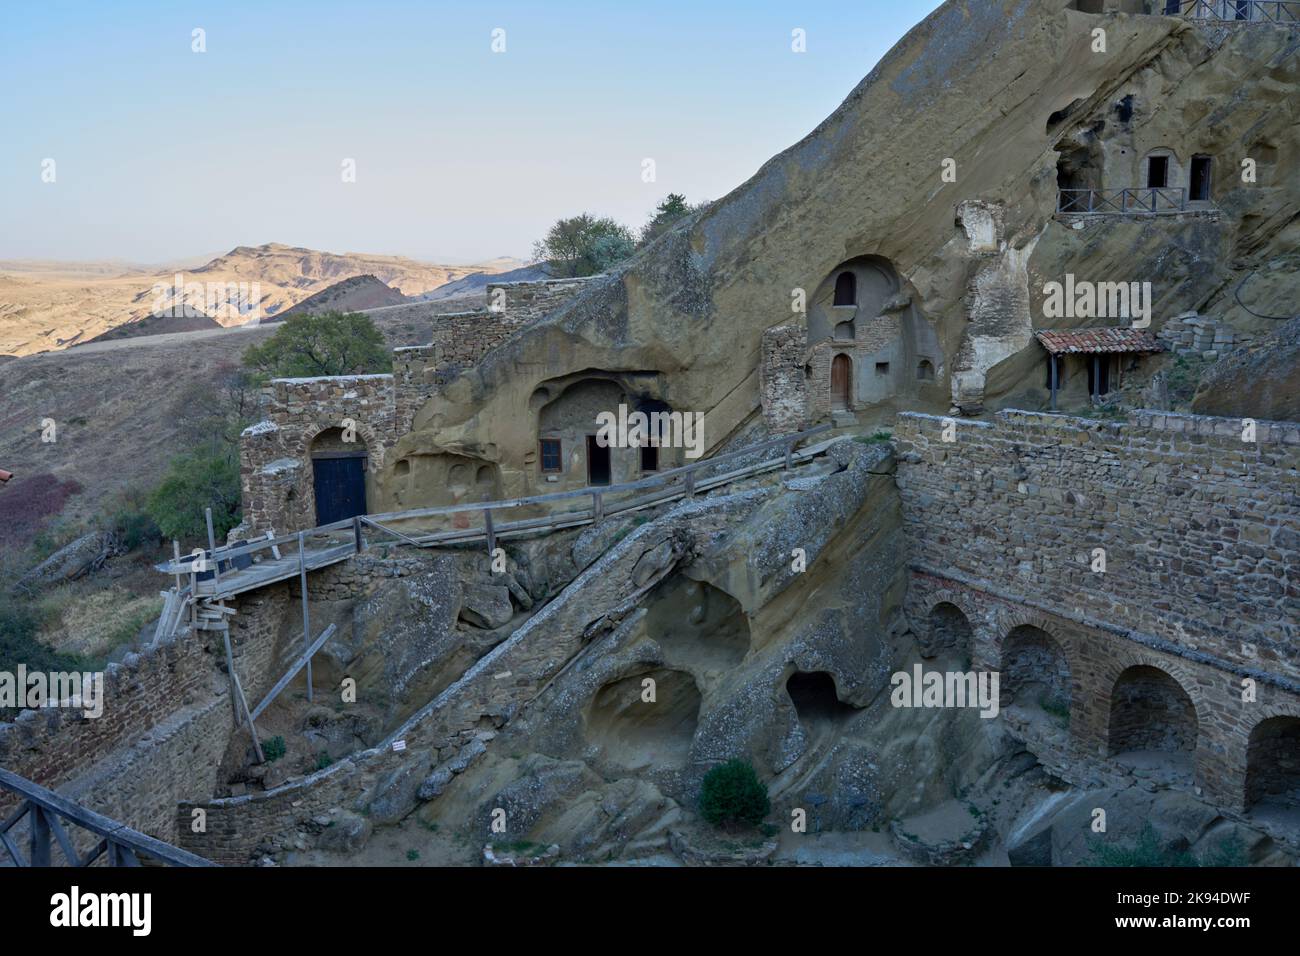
point(584, 245)
point(331, 343)
point(672, 210)
point(206, 478)
point(732, 796)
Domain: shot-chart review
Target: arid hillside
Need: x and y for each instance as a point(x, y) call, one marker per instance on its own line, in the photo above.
point(118, 404)
point(49, 306)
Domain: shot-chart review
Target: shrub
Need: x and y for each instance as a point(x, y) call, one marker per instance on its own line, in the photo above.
point(28, 501)
point(1146, 851)
point(129, 519)
point(194, 482)
point(733, 797)
point(584, 245)
point(273, 749)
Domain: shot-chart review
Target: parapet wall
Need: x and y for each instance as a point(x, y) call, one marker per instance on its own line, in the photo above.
point(526, 301)
point(1198, 529)
point(783, 389)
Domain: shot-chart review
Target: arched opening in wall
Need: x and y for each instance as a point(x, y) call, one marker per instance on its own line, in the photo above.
point(642, 725)
point(1273, 765)
point(338, 475)
point(402, 468)
point(846, 289)
point(1035, 674)
point(697, 624)
point(925, 371)
point(816, 700)
point(485, 475)
point(841, 382)
point(1151, 716)
point(949, 630)
point(568, 430)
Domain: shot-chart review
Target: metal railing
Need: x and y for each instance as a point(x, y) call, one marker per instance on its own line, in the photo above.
point(1158, 200)
point(1235, 11)
point(44, 810)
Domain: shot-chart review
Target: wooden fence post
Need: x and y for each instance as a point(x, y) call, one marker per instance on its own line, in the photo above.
point(490, 531)
point(40, 837)
point(306, 614)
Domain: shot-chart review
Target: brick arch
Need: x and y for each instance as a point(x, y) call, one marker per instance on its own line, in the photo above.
point(1019, 675)
point(1006, 621)
point(1270, 763)
point(1181, 677)
point(374, 445)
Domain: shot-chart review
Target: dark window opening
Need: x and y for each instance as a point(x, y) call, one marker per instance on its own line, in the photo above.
point(1173, 7)
point(1060, 370)
point(846, 289)
point(925, 371)
point(551, 460)
point(1243, 10)
point(882, 368)
point(649, 458)
point(1157, 172)
point(1098, 374)
point(1125, 106)
point(598, 463)
point(1200, 178)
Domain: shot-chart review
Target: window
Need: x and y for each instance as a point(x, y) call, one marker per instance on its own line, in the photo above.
point(925, 371)
point(882, 368)
point(846, 289)
point(403, 467)
point(649, 458)
point(1199, 183)
point(1173, 7)
point(1157, 172)
point(551, 460)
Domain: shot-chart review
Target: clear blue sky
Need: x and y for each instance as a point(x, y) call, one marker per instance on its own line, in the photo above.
point(461, 154)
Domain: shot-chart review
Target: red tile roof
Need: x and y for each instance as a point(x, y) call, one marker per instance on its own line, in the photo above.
point(1072, 341)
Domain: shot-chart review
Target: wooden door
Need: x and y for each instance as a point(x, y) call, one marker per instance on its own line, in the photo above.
point(841, 381)
point(340, 485)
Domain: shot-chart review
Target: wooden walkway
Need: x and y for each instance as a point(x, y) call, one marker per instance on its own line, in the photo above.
point(219, 573)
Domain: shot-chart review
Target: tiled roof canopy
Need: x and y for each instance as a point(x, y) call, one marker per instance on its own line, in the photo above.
point(1076, 341)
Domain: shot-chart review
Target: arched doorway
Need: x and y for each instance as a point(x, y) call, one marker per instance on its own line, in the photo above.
point(1151, 713)
point(338, 476)
point(949, 629)
point(1273, 763)
point(841, 381)
point(1035, 672)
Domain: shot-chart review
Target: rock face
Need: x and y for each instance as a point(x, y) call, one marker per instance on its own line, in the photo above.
point(1011, 99)
point(1260, 381)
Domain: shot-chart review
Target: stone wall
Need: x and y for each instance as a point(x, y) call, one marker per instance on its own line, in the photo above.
point(782, 385)
point(526, 301)
point(1197, 334)
point(1201, 539)
point(275, 454)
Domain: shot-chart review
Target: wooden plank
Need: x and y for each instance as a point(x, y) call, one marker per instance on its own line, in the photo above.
point(12, 850)
point(297, 665)
point(39, 837)
point(306, 612)
point(240, 699)
point(65, 844)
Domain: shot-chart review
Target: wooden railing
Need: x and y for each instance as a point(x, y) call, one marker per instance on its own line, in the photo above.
point(348, 533)
point(1161, 200)
point(45, 810)
point(1236, 11)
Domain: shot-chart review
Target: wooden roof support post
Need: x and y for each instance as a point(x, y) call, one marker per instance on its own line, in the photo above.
point(241, 702)
point(212, 547)
point(490, 532)
point(306, 614)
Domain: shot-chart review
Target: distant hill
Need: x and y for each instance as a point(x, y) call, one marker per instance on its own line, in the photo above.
point(351, 295)
point(476, 282)
point(158, 325)
point(48, 306)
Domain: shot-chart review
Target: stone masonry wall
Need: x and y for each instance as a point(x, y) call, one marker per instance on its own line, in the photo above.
point(782, 387)
point(1201, 539)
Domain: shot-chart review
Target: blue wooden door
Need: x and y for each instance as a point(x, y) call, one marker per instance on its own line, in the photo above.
point(340, 488)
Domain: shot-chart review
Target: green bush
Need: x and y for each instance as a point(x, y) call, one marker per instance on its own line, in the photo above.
point(732, 796)
point(199, 480)
point(273, 749)
point(1146, 851)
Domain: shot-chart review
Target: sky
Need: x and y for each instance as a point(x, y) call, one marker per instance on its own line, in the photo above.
point(460, 153)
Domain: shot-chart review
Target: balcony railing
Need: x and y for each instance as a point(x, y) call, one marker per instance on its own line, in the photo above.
point(1162, 200)
point(1236, 11)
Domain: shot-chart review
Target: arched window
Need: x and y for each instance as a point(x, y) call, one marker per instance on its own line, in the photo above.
point(925, 371)
point(846, 289)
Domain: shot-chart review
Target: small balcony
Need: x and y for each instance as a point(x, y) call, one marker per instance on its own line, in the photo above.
point(1151, 200)
point(1235, 11)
